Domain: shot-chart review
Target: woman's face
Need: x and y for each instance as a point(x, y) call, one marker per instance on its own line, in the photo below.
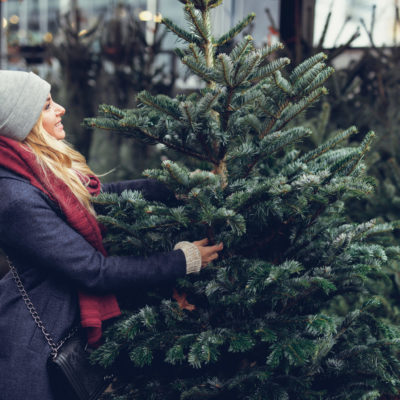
point(51, 118)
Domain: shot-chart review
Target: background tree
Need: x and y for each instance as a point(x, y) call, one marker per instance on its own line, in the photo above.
point(80, 67)
point(110, 61)
point(262, 323)
point(131, 63)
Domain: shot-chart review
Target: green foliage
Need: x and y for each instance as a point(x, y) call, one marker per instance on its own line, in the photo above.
point(264, 323)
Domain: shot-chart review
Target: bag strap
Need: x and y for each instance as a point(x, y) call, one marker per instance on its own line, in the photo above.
point(32, 310)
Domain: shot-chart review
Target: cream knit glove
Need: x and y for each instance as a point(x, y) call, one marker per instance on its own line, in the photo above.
point(192, 255)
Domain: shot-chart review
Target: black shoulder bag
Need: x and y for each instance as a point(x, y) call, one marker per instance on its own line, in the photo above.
point(72, 377)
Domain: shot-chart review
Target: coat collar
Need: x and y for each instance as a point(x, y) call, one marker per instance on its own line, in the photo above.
point(6, 173)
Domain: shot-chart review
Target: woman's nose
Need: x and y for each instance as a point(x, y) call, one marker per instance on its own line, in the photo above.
point(60, 110)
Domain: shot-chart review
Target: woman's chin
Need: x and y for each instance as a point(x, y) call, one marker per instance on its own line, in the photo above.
point(59, 135)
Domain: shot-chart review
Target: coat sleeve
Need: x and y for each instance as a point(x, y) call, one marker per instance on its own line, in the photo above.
point(40, 237)
point(152, 189)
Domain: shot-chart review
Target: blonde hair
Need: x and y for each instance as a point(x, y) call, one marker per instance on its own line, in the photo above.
point(58, 157)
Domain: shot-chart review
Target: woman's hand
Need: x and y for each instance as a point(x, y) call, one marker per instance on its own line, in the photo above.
point(208, 253)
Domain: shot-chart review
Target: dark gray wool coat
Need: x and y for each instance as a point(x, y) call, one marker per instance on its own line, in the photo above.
point(54, 261)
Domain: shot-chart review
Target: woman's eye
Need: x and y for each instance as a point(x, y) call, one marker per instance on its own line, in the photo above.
point(47, 106)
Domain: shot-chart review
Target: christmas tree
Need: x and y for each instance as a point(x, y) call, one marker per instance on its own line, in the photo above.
point(259, 323)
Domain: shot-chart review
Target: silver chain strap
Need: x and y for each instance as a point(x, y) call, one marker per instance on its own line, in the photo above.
point(32, 310)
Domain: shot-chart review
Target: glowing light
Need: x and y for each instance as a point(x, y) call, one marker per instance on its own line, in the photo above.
point(83, 32)
point(48, 37)
point(158, 18)
point(14, 19)
point(4, 23)
point(145, 15)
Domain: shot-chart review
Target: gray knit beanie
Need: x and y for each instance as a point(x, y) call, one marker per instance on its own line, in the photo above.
point(22, 98)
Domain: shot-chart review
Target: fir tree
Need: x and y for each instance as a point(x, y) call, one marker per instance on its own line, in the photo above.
point(258, 324)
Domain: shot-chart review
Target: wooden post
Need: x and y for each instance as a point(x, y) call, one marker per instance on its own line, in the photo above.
point(297, 26)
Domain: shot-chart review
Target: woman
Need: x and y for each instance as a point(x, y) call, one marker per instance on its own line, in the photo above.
point(49, 232)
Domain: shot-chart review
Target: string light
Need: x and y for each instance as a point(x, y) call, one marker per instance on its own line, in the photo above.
point(149, 16)
point(14, 19)
point(158, 18)
point(146, 15)
point(48, 37)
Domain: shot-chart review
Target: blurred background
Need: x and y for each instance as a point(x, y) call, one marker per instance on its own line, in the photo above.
point(106, 51)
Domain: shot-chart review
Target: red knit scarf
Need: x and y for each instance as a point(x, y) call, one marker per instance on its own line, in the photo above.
point(19, 159)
